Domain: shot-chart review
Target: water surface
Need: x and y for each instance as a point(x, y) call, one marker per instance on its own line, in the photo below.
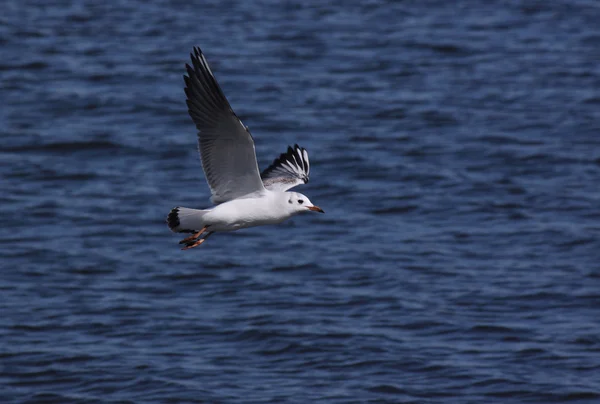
point(453, 145)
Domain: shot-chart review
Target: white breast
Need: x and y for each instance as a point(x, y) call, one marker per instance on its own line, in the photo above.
point(266, 209)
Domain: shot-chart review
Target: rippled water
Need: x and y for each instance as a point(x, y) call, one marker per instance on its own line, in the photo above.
point(455, 146)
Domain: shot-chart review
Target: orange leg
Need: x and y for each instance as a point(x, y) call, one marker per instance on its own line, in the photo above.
point(193, 236)
point(197, 243)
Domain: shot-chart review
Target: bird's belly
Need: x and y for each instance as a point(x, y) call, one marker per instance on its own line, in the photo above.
point(229, 219)
point(252, 222)
point(240, 224)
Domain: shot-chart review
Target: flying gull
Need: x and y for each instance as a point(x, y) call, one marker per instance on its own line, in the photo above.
point(243, 196)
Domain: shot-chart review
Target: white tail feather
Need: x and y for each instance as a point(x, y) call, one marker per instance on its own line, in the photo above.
point(185, 220)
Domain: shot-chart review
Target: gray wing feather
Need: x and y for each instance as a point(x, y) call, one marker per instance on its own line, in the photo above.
point(225, 144)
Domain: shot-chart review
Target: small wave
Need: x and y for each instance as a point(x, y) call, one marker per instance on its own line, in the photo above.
point(531, 352)
point(438, 119)
point(487, 328)
point(577, 242)
point(581, 395)
point(395, 210)
point(301, 267)
point(37, 65)
point(387, 389)
point(391, 113)
point(443, 48)
point(279, 349)
point(509, 140)
point(187, 277)
point(71, 147)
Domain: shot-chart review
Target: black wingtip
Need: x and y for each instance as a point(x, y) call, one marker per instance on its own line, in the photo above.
point(197, 56)
point(294, 155)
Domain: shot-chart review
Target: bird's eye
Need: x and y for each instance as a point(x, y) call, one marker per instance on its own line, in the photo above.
point(300, 201)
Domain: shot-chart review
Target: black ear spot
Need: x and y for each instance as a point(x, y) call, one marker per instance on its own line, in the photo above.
point(300, 201)
point(290, 201)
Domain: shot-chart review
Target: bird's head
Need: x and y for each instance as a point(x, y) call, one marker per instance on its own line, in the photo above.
point(300, 203)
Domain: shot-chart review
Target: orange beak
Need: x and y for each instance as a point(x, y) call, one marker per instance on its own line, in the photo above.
point(315, 209)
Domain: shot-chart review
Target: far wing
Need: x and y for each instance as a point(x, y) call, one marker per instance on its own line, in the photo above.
point(225, 144)
point(288, 170)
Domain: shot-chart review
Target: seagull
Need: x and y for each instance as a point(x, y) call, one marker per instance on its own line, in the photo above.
point(244, 197)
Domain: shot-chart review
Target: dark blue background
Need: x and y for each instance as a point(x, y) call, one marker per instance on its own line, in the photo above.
point(454, 146)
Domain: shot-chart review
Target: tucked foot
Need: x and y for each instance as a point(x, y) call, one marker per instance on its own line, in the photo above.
point(194, 236)
point(192, 244)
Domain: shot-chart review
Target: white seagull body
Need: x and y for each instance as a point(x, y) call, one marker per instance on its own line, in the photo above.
point(243, 195)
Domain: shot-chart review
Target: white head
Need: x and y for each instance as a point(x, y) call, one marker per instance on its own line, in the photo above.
point(299, 203)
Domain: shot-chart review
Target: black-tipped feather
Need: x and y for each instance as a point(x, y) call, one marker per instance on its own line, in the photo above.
point(173, 219)
point(288, 170)
point(173, 222)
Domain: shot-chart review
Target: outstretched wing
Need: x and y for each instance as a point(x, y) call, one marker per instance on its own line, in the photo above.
point(288, 170)
point(225, 144)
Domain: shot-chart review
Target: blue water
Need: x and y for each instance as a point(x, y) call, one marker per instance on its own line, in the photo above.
point(455, 147)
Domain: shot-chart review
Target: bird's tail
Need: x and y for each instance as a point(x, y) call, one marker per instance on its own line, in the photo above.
point(185, 220)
